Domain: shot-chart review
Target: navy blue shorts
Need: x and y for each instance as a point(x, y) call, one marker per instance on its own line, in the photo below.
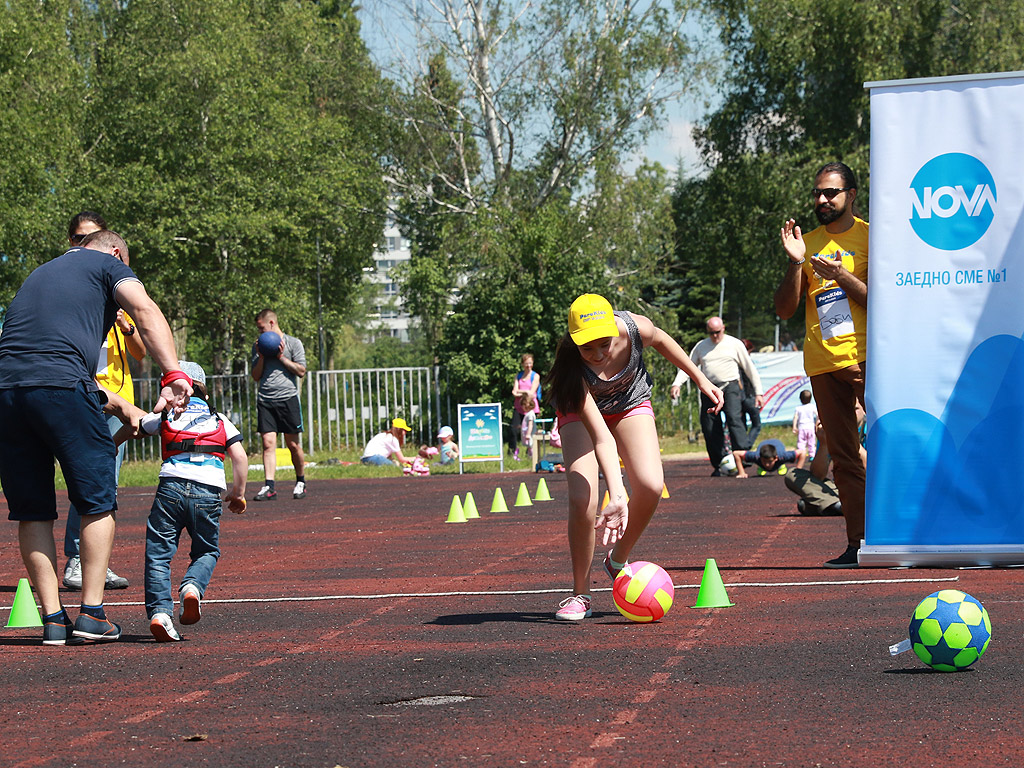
point(40, 424)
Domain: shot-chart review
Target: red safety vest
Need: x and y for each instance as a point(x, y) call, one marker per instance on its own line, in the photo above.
point(175, 441)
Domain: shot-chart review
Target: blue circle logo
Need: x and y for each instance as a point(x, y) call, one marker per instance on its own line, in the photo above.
point(953, 200)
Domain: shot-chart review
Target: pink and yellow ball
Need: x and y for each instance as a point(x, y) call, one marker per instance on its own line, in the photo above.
point(643, 591)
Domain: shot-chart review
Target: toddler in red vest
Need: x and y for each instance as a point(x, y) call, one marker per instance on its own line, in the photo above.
point(193, 446)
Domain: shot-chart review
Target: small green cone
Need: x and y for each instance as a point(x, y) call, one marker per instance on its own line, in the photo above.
point(469, 507)
point(542, 491)
point(455, 513)
point(24, 612)
point(499, 505)
point(712, 590)
point(523, 497)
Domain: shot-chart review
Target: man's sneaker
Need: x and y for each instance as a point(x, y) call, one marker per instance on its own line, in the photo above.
point(100, 630)
point(266, 494)
point(190, 599)
point(73, 573)
point(163, 628)
point(60, 632)
point(846, 560)
point(73, 576)
point(611, 568)
point(300, 490)
point(115, 582)
point(575, 608)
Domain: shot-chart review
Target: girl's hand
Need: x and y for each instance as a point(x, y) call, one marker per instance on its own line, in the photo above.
point(714, 394)
point(614, 518)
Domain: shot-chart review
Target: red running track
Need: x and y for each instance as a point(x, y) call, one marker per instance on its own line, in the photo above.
point(356, 628)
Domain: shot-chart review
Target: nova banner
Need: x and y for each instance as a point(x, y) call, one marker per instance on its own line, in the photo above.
point(945, 362)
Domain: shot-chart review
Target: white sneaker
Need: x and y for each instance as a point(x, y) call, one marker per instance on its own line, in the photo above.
point(73, 573)
point(191, 611)
point(163, 628)
point(300, 490)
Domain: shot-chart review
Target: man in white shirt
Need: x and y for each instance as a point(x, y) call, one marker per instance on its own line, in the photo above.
point(721, 358)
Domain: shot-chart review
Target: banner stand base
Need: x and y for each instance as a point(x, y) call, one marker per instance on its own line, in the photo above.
point(942, 556)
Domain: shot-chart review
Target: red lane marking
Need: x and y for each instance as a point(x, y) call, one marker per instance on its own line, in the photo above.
point(625, 717)
point(268, 662)
point(190, 697)
point(230, 678)
point(143, 716)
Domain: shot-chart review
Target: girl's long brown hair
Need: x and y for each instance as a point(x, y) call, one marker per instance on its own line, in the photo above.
point(563, 386)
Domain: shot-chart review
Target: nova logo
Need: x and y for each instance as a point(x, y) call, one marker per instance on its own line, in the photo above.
point(953, 200)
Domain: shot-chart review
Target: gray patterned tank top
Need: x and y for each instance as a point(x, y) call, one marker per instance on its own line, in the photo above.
point(630, 386)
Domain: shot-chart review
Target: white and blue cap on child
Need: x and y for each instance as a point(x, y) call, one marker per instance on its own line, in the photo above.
point(194, 371)
point(445, 432)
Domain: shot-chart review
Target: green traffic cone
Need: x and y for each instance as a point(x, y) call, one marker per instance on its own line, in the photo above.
point(469, 507)
point(542, 491)
point(455, 513)
point(24, 612)
point(712, 590)
point(523, 498)
point(499, 505)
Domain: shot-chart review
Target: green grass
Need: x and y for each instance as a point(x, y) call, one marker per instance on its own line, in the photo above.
point(144, 473)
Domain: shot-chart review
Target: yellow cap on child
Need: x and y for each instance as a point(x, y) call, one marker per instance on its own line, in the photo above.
point(591, 317)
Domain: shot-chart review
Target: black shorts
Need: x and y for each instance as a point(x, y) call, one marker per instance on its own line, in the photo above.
point(279, 416)
point(40, 424)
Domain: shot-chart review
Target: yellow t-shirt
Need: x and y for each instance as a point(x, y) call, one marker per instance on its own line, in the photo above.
point(836, 325)
point(112, 367)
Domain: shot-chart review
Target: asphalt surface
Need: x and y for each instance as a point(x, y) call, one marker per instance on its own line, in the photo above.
point(356, 628)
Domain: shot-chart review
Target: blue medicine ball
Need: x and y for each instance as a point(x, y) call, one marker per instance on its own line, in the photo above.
point(269, 344)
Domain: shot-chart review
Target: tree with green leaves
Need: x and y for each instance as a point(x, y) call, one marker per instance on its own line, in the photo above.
point(793, 98)
point(242, 158)
point(44, 82)
point(519, 119)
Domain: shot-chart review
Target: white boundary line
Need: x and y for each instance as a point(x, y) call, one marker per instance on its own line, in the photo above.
point(393, 595)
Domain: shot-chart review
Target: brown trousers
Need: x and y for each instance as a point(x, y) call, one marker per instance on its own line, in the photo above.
point(836, 394)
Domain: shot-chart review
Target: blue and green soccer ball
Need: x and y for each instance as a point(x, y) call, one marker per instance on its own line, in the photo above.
point(950, 630)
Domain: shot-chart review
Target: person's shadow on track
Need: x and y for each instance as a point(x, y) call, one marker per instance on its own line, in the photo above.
point(508, 617)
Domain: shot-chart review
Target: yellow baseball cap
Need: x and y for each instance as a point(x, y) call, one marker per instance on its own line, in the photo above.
point(591, 317)
point(400, 424)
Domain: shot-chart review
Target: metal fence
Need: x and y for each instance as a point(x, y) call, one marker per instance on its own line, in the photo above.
point(342, 408)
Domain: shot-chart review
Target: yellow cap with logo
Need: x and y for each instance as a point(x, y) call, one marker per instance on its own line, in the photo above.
point(591, 317)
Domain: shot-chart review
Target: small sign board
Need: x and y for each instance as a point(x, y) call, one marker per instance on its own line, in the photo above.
point(480, 433)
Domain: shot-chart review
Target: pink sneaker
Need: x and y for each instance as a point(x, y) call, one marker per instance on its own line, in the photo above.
point(574, 608)
point(611, 567)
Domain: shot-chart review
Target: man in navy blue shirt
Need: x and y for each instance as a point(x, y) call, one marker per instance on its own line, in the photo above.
point(771, 457)
point(51, 408)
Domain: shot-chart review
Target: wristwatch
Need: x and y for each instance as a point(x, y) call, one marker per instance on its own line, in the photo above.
point(130, 331)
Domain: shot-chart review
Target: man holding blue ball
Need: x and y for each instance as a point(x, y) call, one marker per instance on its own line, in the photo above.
point(277, 367)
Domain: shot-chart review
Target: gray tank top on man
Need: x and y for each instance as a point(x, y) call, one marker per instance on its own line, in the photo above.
point(629, 387)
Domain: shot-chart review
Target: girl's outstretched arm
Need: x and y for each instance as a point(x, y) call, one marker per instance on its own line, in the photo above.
point(615, 516)
point(668, 348)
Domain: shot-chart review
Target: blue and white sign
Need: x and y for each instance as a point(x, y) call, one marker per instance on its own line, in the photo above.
point(945, 362)
point(953, 201)
point(480, 433)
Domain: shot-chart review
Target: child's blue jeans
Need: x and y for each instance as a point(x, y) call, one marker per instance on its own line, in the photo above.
point(180, 505)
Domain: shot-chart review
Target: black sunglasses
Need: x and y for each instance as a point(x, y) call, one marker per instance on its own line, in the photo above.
point(76, 239)
point(829, 192)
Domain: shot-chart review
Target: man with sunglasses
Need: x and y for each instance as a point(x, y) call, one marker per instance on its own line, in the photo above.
point(723, 359)
point(113, 374)
point(829, 266)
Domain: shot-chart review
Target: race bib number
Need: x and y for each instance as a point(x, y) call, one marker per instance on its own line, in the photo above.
point(834, 317)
